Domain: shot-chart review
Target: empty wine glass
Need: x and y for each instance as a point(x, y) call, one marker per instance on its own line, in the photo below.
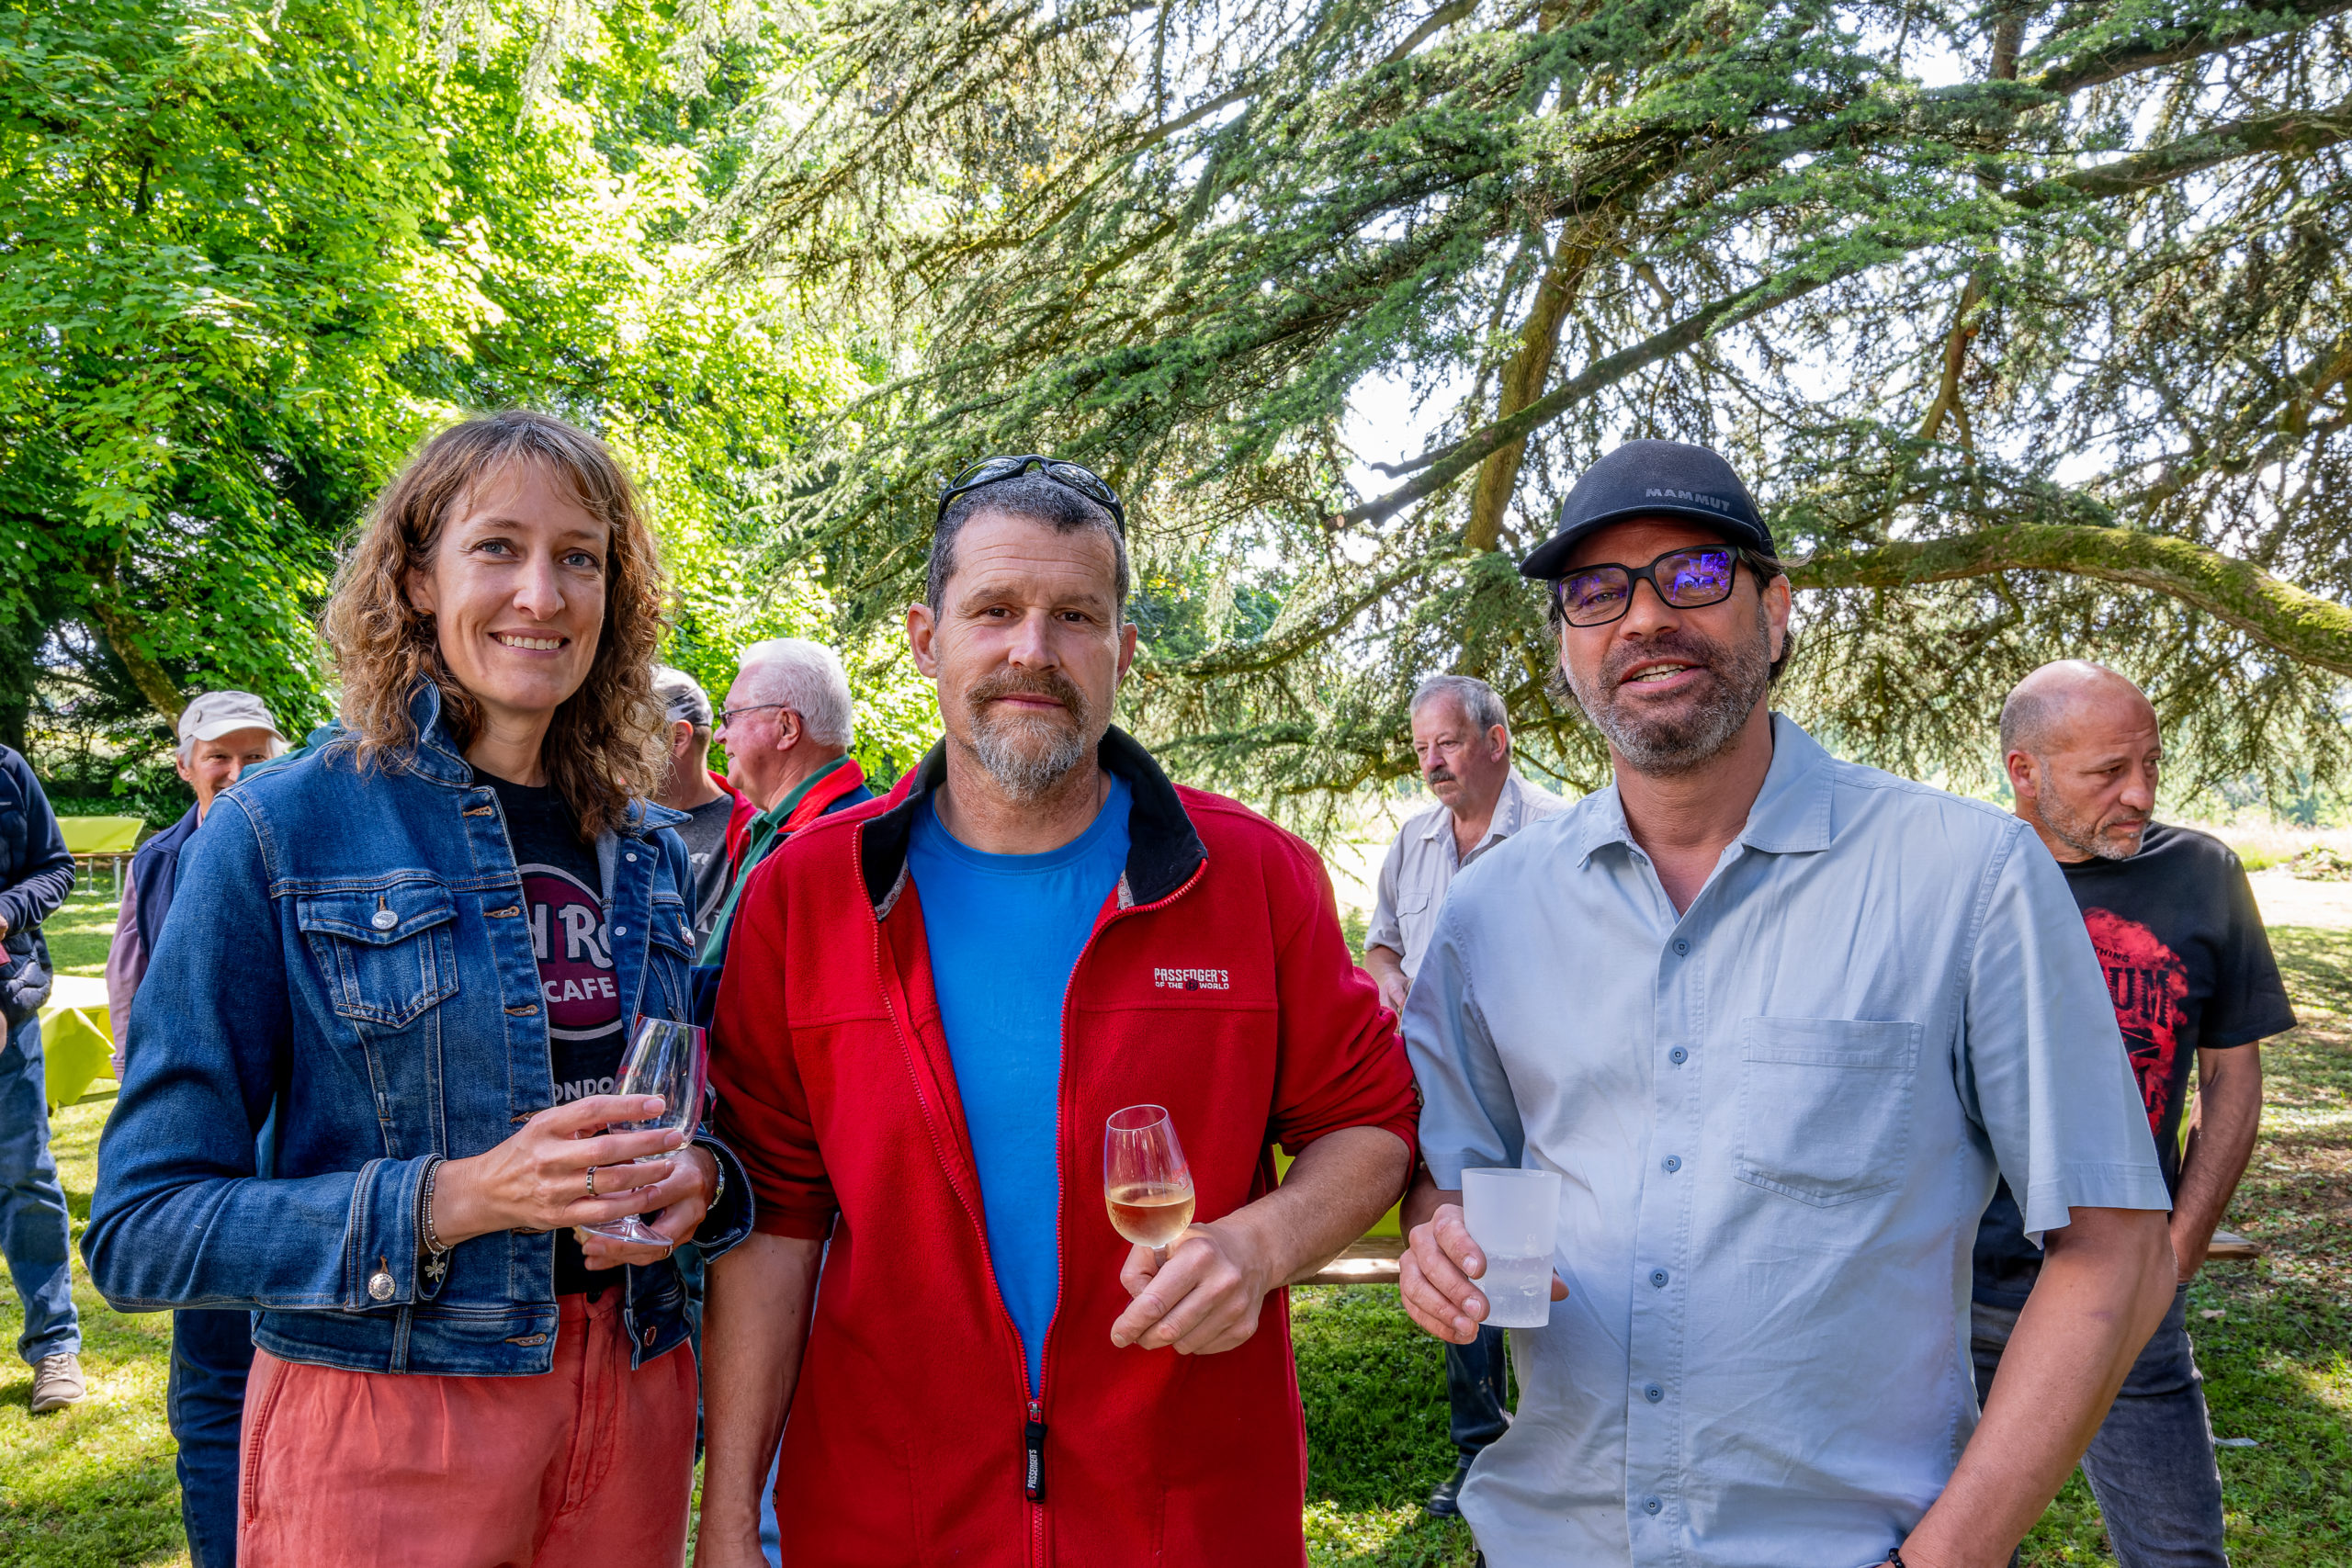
point(669, 1059)
point(1145, 1183)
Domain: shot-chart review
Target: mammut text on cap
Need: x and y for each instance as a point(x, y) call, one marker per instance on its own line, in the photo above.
point(1652, 478)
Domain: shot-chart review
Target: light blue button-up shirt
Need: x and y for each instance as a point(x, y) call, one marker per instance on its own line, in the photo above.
point(1777, 1118)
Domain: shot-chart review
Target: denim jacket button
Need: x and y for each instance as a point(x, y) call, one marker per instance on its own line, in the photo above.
point(380, 1285)
point(383, 919)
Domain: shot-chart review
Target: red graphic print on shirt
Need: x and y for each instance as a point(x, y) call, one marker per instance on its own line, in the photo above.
point(575, 956)
point(2148, 983)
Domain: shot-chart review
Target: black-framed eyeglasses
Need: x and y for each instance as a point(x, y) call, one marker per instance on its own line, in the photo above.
point(990, 470)
point(1686, 579)
point(728, 715)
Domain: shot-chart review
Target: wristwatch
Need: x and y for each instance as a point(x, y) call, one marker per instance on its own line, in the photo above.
point(719, 1183)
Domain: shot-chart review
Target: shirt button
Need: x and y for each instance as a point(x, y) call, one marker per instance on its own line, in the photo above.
point(1652, 1505)
point(620, 930)
point(1657, 1277)
point(1682, 946)
point(1677, 1055)
point(1653, 1394)
point(1673, 1163)
point(380, 1285)
point(630, 856)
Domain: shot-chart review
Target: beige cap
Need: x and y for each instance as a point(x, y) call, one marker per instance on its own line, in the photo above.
point(216, 714)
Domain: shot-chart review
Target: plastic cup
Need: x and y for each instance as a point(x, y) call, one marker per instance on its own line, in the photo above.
point(1514, 1216)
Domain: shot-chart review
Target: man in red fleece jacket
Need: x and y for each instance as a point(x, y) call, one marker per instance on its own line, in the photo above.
point(932, 1005)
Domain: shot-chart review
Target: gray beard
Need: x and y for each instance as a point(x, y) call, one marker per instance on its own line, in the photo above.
point(2082, 836)
point(1666, 748)
point(1027, 772)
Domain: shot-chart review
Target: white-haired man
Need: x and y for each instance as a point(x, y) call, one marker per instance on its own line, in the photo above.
point(1462, 740)
point(786, 723)
point(220, 735)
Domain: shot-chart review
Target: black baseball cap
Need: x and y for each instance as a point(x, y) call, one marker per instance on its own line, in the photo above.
point(1652, 478)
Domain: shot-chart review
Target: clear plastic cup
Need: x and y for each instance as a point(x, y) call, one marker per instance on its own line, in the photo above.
point(1514, 1216)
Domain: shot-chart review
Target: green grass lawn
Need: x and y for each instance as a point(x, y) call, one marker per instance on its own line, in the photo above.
point(80, 933)
point(93, 1486)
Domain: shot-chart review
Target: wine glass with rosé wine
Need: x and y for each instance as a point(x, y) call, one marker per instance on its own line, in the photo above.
point(1145, 1183)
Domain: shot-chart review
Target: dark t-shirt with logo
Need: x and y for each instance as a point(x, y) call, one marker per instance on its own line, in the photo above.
point(705, 832)
point(562, 895)
point(2189, 968)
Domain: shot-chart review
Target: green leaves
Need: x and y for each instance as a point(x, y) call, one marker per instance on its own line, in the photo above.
point(252, 251)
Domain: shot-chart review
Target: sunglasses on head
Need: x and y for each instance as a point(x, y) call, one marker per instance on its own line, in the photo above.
point(1686, 579)
point(990, 470)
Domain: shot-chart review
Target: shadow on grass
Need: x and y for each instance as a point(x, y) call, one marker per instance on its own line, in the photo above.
point(80, 933)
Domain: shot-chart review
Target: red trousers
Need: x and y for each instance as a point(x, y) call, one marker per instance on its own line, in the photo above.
point(590, 1465)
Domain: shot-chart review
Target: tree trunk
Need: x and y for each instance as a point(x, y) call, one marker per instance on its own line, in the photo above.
point(1524, 379)
point(2297, 623)
point(127, 638)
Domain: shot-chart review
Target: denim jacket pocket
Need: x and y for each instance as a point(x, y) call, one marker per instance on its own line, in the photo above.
point(1825, 1111)
point(384, 953)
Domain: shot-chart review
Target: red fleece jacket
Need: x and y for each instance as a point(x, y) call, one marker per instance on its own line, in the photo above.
point(1216, 983)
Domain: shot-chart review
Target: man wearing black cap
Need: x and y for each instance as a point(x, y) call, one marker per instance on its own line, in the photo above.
point(1779, 1022)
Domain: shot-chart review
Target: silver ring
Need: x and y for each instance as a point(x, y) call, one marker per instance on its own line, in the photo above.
point(592, 1181)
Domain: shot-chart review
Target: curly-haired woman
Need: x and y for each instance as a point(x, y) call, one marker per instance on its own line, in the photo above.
point(424, 941)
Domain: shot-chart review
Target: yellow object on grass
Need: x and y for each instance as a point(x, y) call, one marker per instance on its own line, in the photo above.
point(76, 1038)
point(1387, 1224)
point(100, 835)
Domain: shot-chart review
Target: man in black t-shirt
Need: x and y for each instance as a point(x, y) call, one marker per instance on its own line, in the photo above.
point(587, 1036)
point(2189, 968)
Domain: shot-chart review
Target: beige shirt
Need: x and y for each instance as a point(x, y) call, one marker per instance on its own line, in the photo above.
point(1421, 864)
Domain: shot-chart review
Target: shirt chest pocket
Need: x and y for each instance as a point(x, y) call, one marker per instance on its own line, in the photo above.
point(1825, 1111)
point(386, 954)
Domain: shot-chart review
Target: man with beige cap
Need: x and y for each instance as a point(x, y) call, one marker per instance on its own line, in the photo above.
point(221, 734)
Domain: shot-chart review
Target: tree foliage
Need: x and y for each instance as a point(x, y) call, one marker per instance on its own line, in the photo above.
point(2027, 324)
point(251, 251)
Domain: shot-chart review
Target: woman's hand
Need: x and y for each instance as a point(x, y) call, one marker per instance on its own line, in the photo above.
point(538, 1179)
point(683, 1197)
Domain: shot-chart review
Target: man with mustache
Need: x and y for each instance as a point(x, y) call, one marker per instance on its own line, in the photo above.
point(1779, 1022)
point(1462, 739)
point(2190, 971)
point(931, 1007)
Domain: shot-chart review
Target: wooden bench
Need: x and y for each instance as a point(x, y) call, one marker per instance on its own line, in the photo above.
point(2230, 1248)
point(1372, 1261)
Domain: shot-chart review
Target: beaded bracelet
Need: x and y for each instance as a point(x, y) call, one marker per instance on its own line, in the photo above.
point(434, 1252)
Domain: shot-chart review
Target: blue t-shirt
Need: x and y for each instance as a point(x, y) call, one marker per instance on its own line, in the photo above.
point(1005, 931)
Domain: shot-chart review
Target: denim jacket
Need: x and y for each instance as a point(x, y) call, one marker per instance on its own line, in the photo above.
point(350, 944)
